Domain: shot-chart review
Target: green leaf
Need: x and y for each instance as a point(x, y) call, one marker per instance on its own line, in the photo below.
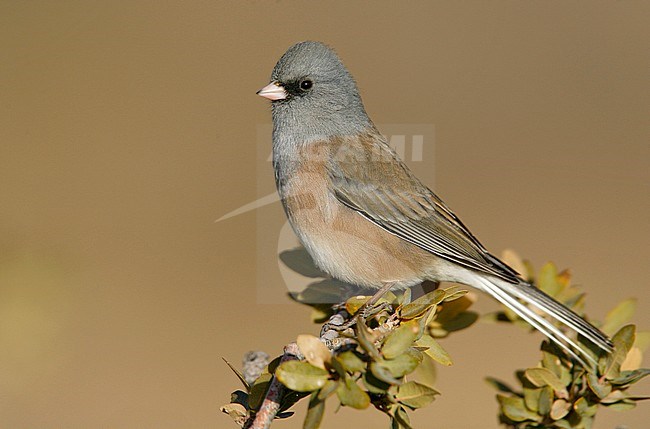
point(529, 275)
point(422, 304)
point(273, 365)
point(375, 385)
point(336, 366)
point(548, 281)
point(565, 375)
point(559, 409)
point(237, 412)
point(584, 408)
point(258, 390)
point(531, 397)
point(455, 295)
point(618, 316)
point(586, 422)
point(623, 341)
point(621, 405)
point(351, 395)
point(290, 398)
point(564, 424)
point(402, 418)
point(415, 395)
point(512, 316)
point(425, 373)
point(422, 322)
point(435, 350)
point(382, 373)
point(394, 424)
point(614, 396)
point(600, 389)
point(400, 340)
point(625, 337)
point(513, 260)
point(513, 407)
point(400, 365)
point(239, 397)
point(415, 353)
point(405, 298)
point(351, 362)
point(576, 302)
point(328, 389)
point(315, 412)
point(391, 298)
point(632, 360)
point(545, 401)
point(630, 377)
point(353, 304)
point(552, 360)
point(366, 339)
point(541, 377)
point(301, 376)
point(552, 363)
point(429, 317)
point(314, 351)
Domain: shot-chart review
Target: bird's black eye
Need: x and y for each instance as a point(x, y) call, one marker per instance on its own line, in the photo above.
point(306, 84)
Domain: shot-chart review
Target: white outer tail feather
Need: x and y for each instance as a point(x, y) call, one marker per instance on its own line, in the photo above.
point(505, 294)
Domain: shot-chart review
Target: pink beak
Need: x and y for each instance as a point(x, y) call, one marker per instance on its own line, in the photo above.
point(273, 91)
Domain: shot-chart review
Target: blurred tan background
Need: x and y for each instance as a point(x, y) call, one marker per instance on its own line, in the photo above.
point(128, 128)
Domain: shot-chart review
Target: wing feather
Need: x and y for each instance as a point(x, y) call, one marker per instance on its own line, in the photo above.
point(368, 177)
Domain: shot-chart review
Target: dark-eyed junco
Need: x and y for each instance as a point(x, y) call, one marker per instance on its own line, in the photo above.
point(361, 213)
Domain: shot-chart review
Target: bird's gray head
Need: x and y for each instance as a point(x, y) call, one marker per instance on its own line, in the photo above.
point(314, 96)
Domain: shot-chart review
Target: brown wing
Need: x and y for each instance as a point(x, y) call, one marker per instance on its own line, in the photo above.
point(368, 177)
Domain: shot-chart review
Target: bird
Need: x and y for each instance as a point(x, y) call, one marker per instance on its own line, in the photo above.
point(365, 218)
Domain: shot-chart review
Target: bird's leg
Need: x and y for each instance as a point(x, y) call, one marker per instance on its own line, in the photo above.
point(366, 309)
point(336, 322)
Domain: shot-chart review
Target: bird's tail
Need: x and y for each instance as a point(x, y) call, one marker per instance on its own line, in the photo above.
point(524, 299)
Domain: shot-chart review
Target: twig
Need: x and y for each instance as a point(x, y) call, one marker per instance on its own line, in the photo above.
point(330, 334)
point(271, 404)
